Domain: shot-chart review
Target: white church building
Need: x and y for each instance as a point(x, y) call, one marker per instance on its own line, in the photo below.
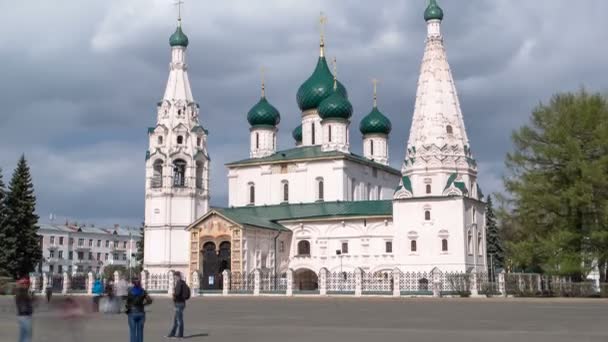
point(317, 205)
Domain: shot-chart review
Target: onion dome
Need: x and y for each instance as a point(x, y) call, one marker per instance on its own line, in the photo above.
point(375, 123)
point(336, 106)
point(433, 12)
point(178, 38)
point(297, 134)
point(263, 114)
point(318, 87)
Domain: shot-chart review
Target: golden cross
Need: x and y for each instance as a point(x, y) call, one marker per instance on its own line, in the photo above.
point(322, 23)
point(262, 71)
point(179, 4)
point(335, 64)
point(375, 82)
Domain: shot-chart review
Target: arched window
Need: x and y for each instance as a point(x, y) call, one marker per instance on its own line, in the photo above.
point(479, 244)
point(251, 193)
point(285, 191)
point(444, 245)
point(199, 174)
point(313, 133)
point(303, 247)
point(371, 147)
point(427, 215)
point(470, 243)
point(198, 141)
point(448, 129)
point(428, 188)
point(257, 140)
point(179, 173)
point(413, 246)
point(179, 112)
point(320, 189)
point(329, 132)
point(160, 140)
point(157, 174)
point(180, 140)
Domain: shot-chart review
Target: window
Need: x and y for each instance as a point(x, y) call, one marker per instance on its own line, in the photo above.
point(303, 247)
point(427, 215)
point(444, 245)
point(90, 255)
point(448, 129)
point(70, 255)
point(371, 147)
point(428, 188)
point(98, 243)
point(320, 189)
point(52, 240)
point(313, 133)
point(179, 112)
point(251, 193)
point(90, 242)
point(61, 240)
point(157, 174)
point(198, 141)
point(257, 140)
point(80, 255)
point(115, 244)
point(114, 256)
point(60, 268)
point(329, 135)
point(344, 247)
point(71, 241)
point(389, 246)
point(98, 256)
point(281, 246)
point(60, 255)
point(51, 268)
point(470, 243)
point(285, 191)
point(107, 243)
point(124, 257)
point(80, 242)
point(180, 139)
point(413, 246)
point(179, 173)
point(160, 140)
point(199, 174)
point(479, 245)
point(474, 216)
point(375, 172)
point(106, 257)
point(51, 254)
point(124, 244)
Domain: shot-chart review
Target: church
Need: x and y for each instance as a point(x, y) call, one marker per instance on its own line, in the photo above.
point(317, 205)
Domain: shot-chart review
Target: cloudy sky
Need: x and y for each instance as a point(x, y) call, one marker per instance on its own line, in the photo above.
point(79, 83)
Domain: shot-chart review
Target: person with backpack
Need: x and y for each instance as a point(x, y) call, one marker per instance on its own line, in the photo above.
point(137, 299)
point(181, 293)
point(24, 300)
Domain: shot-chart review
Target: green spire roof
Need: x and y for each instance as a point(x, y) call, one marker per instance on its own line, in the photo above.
point(297, 133)
point(336, 106)
point(263, 114)
point(433, 11)
point(318, 87)
point(178, 38)
point(375, 123)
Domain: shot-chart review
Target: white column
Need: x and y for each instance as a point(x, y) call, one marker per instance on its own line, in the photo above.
point(436, 285)
point(501, 283)
point(358, 281)
point(226, 284)
point(289, 291)
point(539, 283)
point(90, 283)
point(195, 284)
point(144, 279)
point(396, 282)
point(171, 284)
point(473, 284)
point(323, 282)
point(66, 283)
point(256, 282)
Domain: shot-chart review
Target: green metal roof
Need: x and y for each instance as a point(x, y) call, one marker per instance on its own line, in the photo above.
point(433, 11)
point(318, 87)
point(297, 133)
point(311, 152)
point(263, 114)
point(178, 38)
point(269, 217)
point(375, 123)
point(335, 106)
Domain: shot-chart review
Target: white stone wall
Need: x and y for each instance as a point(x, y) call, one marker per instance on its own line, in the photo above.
point(339, 139)
point(311, 118)
point(380, 149)
point(263, 141)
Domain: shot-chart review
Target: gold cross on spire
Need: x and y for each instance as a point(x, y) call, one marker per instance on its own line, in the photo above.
point(262, 72)
point(322, 23)
point(335, 64)
point(375, 82)
point(179, 4)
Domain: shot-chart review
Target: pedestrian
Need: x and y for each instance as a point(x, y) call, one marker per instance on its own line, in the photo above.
point(121, 288)
point(25, 308)
point(137, 299)
point(97, 293)
point(181, 293)
point(49, 291)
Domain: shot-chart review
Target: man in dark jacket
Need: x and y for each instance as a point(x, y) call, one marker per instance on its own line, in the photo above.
point(137, 299)
point(25, 309)
point(179, 300)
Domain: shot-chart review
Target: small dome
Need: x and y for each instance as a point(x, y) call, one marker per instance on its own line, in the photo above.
point(297, 134)
point(336, 106)
point(375, 123)
point(178, 38)
point(263, 114)
point(318, 87)
point(433, 12)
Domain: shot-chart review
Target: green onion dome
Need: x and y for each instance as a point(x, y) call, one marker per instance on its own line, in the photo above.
point(178, 38)
point(318, 87)
point(297, 134)
point(336, 106)
point(433, 12)
point(263, 114)
point(375, 123)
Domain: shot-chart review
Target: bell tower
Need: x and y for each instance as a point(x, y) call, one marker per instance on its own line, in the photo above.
point(177, 168)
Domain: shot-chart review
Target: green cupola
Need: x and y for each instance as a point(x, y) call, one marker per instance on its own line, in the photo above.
point(433, 11)
point(178, 38)
point(318, 87)
point(263, 114)
point(375, 123)
point(336, 106)
point(297, 134)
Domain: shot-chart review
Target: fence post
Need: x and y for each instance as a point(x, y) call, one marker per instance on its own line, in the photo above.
point(436, 285)
point(289, 291)
point(396, 282)
point(323, 282)
point(226, 282)
point(66, 283)
point(358, 281)
point(473, 284)
point(171, 283)
point(256, 282)
point(45, 281)
point(144, 279)
point(501, 283)
point(539, 283)
point(195, 284)
point(90, 283)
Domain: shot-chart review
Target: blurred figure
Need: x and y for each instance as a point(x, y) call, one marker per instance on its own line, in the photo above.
point(25, 308)
point(137, 299)
point(121, 289)
point(181, 293)
point(48, 291)
point(72, 314)
point(97, 293)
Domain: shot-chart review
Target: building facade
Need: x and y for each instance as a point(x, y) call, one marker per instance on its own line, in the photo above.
point(76, 249)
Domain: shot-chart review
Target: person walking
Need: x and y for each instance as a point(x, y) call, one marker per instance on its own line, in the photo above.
point(25, 308)
point(181, 293)
point(49, 291)
point(137, 299)
point(121, 288)
point(97, 293)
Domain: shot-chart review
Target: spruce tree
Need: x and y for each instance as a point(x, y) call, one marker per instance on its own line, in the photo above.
point(4, 235)
point(495, 250)
point(140, 248)
point(23, 249)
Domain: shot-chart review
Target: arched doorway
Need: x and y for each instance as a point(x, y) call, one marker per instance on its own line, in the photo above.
point(214, 263)
point(306, 280)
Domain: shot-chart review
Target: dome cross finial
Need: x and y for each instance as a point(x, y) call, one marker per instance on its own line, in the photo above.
point(262, 72)
point(375, 82)
point(322, 23)
point(335, 66)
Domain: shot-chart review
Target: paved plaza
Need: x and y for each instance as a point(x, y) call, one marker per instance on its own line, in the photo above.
point(273, 319)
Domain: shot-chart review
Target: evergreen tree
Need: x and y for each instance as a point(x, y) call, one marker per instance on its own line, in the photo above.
point(495, 250)
point(5, 236)
point(140, 248)
point(23, 249)
point(558, 187)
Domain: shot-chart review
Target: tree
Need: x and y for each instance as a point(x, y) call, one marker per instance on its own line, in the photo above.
point(495, 250)
point(558, 186)
point(139, 256)
point(5, 236)
point(21, 247)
